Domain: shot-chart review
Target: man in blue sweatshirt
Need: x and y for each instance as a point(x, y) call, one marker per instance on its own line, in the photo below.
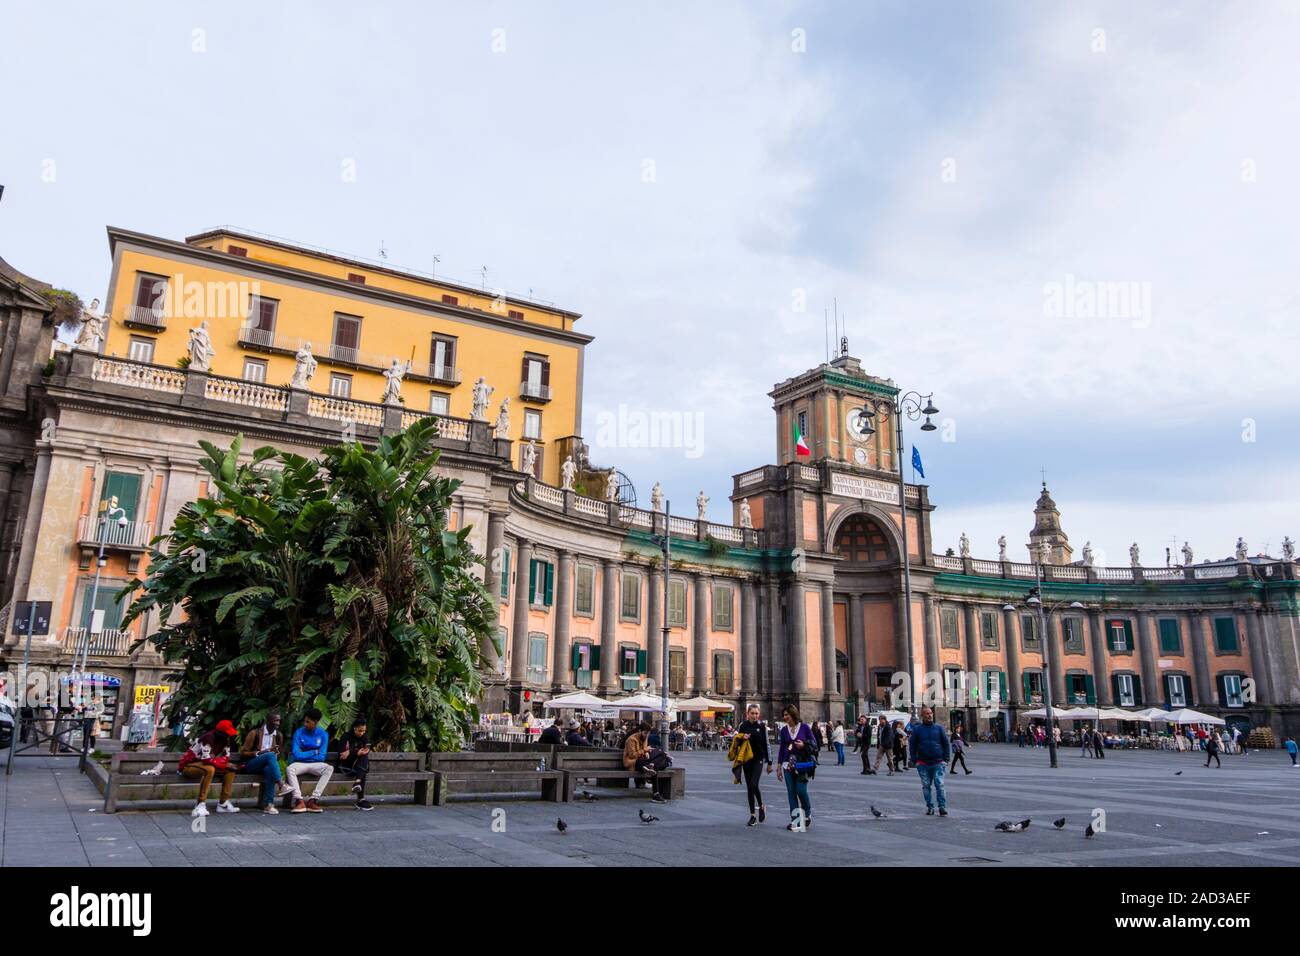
point(307, 756)
point(930, 751)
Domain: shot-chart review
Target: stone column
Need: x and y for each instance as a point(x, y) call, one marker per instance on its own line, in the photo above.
point(1261, 659)
point(609, 626)
point(492, 581)
point(31, 527)
point(829, 668)
point(1015, 682)
point(1053, 639)
point(561, 666)
point(1097, 644)
point(932, 658)
point(654, 627)
point(797, 629)
point(1149, 649)
point(775, 658)
point(703, 676)
point(973, 644)
point(748, 640)
point(519, 626)
point(1200, 637)
point(6, 486)
point(858, 652)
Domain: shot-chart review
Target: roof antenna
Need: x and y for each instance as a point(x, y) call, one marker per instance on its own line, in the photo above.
point(383, 253)
point(434, 271)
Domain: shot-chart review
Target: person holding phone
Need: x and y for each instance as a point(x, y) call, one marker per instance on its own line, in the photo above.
point(260, 753)
point(795, 761)
point(354, 760)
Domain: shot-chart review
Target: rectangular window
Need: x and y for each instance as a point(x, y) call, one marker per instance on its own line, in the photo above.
point(948, 627)
point(340, 385)
point(1073, 631)
point(1226, 639)
point(262, 313)
point(237, 251)
point(121, 490)
point(989, 629)
point(630, 594)
point(584, 590)
point(722, 674)
point(1232, 690)
point(723, 601)
point(450, 300)
point(141, 349)
point(150, 295)
point(631, 666)
point(442, 357)
point(584, 662)
point(532, 424)
point(803, 425)
point(994, 687)
point(516, 314)
point(347, 338)
point(536, 381)
point(1119, 635)
point(1030, 638)
point(255, 371)
point(536, 656)
point(504, 587)
point(106, 601)
point(1033, 686)
point(439, 403)
point(541, 583)
point(1125, 692)
point(676, 671)
point(1176, 690)
point(1079, 688)
point(357, 278)
point(676, 603)
point(1171, 641)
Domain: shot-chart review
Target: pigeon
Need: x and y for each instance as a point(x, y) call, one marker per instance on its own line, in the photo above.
point(1059, 823)
point(1006, 826)
point(876, 813)
point(646, 818)
point(588, 796)
point(561, 825)
point(154, 771)
point(1089, 833)
point(1178, 773)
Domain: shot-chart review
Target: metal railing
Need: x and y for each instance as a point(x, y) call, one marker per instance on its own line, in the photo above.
point(535, 390)
point(145, 315)
point(109, 642)
point(134, 534)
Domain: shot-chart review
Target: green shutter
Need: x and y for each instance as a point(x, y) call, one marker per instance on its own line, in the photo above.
point(106, 601)
point(1002, 687)
point(505, 574)
point(595, 657)
point(532, 580)
point(1225, 634)
point(1110, 635)
point(1128, 635)
point(550, 584)
point(1090, 688)
point(1170, 640)
point(1024, 678)
point(577, 660)
point(640, 662)
point(126, 488)
point(1137, 691)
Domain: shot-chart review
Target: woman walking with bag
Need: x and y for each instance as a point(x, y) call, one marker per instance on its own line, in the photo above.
point(753, 732)
point(796, 763)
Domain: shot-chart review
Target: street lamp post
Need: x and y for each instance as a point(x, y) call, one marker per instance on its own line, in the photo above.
point(666, 543)
point(109, 512)
point(1035, 598)
point(908, 404)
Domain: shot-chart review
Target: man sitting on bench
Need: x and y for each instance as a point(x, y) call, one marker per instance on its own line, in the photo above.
point(307, 753)
point(205, 758)
point(574, 737)
point(260, 753)
point(354, 760)
point(554, 734)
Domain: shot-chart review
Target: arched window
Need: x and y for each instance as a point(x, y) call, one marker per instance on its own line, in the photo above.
point(861, 541)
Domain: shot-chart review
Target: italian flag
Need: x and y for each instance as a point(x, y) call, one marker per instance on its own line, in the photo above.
point(800, 446)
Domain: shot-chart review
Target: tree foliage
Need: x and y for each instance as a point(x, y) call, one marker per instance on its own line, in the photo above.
point(331, 582)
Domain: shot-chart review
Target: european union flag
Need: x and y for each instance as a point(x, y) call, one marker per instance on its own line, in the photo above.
point(916, 462)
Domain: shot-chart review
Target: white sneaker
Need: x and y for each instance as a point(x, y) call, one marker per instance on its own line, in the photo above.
point(270, 808)
point(227, 807)
point(283, 789)
point(200, 810)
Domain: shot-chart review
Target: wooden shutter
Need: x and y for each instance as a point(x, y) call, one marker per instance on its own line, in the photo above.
point(1225, 634)
point(546, 373)
point(1137, 691)
point(1002, 687)
point(1128, 635)
point(532, 580)
point(1090, 688)
point(1222, 681)
point(640, 662)
point(595, 657)
point(505, 574)
point(127, 490)
point(577, 657)
point(550, 584)
point(523, 370)
point(1028, 690)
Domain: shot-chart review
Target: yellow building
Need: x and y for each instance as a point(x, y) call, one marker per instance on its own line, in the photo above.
point(264, 298)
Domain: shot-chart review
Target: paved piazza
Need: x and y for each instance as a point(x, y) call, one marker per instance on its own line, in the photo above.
point(1242, 815)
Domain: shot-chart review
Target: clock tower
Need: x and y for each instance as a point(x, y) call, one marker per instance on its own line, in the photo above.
point(826, 406)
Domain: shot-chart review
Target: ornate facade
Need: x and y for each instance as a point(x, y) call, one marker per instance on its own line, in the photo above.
point(801, 599)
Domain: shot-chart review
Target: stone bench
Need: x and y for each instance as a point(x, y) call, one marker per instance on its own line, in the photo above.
point(476, 774)
point(122, 783)
point(606, 768)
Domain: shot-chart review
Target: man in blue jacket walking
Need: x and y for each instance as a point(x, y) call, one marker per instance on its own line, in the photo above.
point(307, 756)
point(930, 751)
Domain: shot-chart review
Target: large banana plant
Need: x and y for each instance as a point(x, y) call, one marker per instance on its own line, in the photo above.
point(331, 582)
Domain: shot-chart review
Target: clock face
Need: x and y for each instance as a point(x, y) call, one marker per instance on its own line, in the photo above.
point(860, 455)
point(857, 423)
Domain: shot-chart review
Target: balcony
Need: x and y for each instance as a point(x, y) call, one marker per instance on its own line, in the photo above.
point(144, 317)
point(134, 535)
point(109, 642)
point(437, 374)
point(267, 340)
point(534, 392)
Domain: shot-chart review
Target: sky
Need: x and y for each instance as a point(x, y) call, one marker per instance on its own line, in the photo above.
point(1074, 224)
